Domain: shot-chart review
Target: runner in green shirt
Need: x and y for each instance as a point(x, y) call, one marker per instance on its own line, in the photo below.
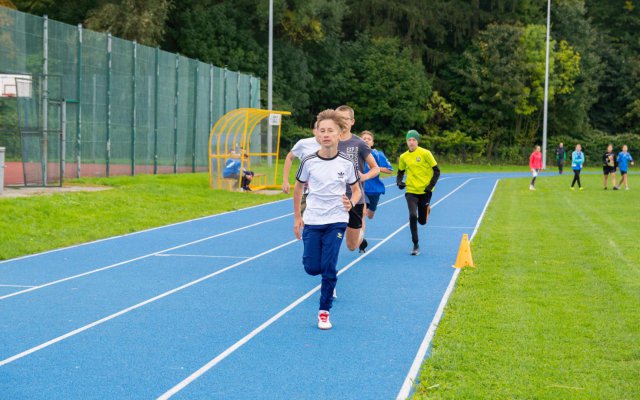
point(422, 174)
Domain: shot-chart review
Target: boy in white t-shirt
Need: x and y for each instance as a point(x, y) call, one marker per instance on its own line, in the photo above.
point(327, 173)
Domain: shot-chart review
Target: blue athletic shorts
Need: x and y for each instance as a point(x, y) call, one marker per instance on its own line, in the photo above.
point(372, 200)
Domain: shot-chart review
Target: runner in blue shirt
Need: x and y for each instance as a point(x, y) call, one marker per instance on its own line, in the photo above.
point(624, 159)
point(374, 188)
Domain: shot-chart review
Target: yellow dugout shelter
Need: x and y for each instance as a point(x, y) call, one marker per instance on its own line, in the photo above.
point(232, 137)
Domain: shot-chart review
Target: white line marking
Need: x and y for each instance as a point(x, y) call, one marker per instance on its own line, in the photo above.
point(196, 255)
point(139, 258)
point(142, 231)
point(405, 390)
point(126, 310)
point(21, 286)
point(202, 370)
point(439, 180)
point(450, 227)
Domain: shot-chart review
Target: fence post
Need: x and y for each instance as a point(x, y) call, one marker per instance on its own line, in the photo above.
point(195, 118)
point(45, 98)
point(224, 91)
point(108, 150)
point(175, 117)
point(155, 114)
point(237, 90)
point(133, 109)
point(2, 169)
point(250, 92)
point(78, 96)
point(63, 138)
point(210, 103)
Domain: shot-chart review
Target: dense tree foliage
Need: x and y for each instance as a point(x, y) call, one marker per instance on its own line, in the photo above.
point(468, 73)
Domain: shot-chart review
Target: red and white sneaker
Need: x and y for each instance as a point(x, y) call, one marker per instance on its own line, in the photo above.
point(323, 320)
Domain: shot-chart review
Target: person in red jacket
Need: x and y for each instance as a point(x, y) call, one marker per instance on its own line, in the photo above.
point(535, 165)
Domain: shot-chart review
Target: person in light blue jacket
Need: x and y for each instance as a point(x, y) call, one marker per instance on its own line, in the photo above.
point(624, 159)
point(577, 162)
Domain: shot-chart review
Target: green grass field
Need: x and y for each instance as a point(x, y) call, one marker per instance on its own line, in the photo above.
point(552, 310)
point(39, 223)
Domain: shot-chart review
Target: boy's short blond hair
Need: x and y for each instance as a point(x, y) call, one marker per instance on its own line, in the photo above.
point(334, 116)
point(367, 133)
point(348, 109)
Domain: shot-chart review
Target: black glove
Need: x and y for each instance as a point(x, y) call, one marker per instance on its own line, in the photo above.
point(401, 185)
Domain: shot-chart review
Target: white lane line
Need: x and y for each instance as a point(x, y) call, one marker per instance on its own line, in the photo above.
point(439, 180)
point(196, 256)
point(19, 286)
point(450, 227)
point(202, 370)
point(407, 385)
point(126, 310)
point(142, 231)
point(139, 258)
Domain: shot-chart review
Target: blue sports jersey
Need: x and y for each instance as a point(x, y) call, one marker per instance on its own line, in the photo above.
point(375, 185)
point(623, 160)
point(577, 159)
point(231, 167)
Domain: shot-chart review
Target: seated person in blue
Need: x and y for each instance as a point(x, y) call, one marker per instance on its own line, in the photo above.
point(232, 170)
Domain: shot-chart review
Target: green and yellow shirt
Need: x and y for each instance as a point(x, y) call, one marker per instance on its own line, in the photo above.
point(418, 165)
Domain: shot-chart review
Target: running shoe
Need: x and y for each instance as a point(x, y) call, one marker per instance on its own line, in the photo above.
point(323, 320)
point(416, 250)
point(363, 245)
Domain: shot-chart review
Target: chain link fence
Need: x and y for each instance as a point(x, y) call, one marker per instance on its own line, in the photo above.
point(129, 108)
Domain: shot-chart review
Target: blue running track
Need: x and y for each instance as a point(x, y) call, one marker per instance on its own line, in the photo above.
point(220, 308)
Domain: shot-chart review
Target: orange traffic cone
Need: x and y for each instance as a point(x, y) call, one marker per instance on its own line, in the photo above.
point(464, 254)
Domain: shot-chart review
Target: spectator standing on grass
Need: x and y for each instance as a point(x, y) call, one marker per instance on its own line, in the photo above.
point(322, 228)
point(561, 157)
point(624, 159)
point(609, 167)
point(232, 170)
point(374, 188)
point(535, 165)
point(360, 154)
point(577, 162)
point(422, 175)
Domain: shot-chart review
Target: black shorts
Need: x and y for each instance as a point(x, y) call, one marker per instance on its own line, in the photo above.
point(372, 200)
point(608, 170)
point(355, 216)
point(623, 172)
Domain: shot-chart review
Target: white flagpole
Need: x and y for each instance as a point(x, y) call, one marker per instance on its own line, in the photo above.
point(546, 90)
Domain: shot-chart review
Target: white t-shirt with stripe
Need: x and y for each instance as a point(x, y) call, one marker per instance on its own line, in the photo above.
point(304, 147)
point(327, 179)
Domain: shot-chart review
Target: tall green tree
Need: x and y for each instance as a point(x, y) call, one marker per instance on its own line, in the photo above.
point(390, 90)
point(139, 20)
point(501, 89)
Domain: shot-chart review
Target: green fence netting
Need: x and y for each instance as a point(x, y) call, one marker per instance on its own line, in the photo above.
point(129, 108)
